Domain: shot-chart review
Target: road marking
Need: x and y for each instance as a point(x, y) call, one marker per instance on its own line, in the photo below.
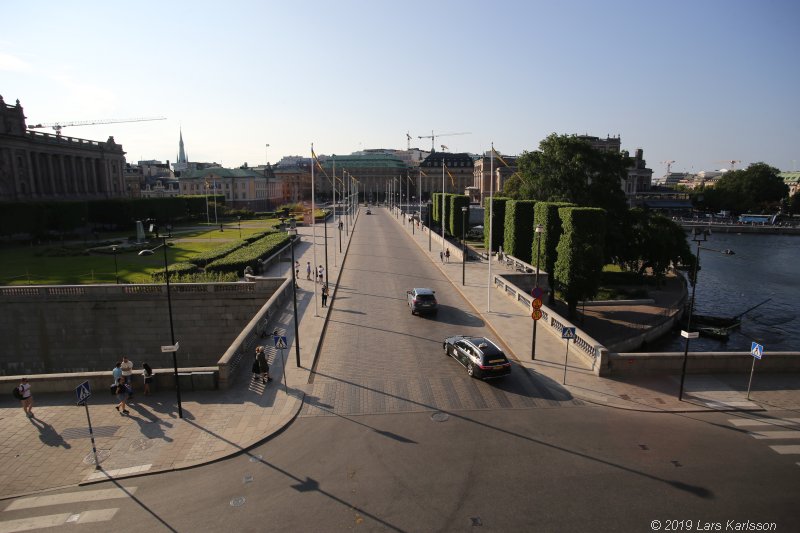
point(69, 497)
point(791, 434)
point(739, 422)
point(110, 474)
point(40, 522)
point(787, 450)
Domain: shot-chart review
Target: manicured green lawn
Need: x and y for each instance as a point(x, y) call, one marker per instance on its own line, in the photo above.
point(45, 265)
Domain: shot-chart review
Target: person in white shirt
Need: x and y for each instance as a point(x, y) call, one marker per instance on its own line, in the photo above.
point(27, 398)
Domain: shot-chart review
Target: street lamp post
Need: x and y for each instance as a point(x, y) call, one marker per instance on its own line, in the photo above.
point(539, 230)
point(464, 245)
point(293, 233)
point(116, 271)
point(696, 234)
point(171, 325)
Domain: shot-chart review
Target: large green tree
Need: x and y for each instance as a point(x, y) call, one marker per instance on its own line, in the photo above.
point(655, 243)
point(754, 189)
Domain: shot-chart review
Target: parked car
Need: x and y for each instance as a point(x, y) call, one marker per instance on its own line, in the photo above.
point(369, 211)
point(422, 300)
point(482, 358)
point(475, 232)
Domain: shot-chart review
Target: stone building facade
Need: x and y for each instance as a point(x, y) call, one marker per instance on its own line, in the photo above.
point(42, 166)
point(453, 171)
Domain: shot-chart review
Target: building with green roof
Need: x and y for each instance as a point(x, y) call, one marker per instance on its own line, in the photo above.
point(243, 188)
point(792, 180)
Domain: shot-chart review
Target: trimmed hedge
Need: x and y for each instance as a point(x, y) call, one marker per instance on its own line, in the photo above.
point(249, 256)
point(579, 267)
point(456, 218)
point(546, 215)
point(221, 251)
point(518, 235)
point(498, 209)
point(175, 270)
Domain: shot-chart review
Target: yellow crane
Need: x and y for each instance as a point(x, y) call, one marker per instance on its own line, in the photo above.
point(58, 126)
point(668, 163)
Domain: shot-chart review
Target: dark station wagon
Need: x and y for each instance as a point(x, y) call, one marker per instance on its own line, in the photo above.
point(482, 358)
point(422, 301)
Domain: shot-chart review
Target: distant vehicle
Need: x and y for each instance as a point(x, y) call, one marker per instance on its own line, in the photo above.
point(369, 211)
point(758, 219)
point(475, 232)
point(482, 358)
point(422, 300)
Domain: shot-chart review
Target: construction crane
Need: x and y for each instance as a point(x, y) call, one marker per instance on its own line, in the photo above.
point(58, 126)
point(433, 136)
point(668, 163)
point(408, 141)
point(731, 162)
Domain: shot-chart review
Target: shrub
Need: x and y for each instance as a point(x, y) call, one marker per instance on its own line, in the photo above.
point(518, 235)
point(498, 211)
point(456, 218)
point(581, 248)
point(249, 255)
point(175, 270)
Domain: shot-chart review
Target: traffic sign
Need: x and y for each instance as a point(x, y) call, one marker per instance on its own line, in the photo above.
point(756, 350)
point(568, 333)
point(537, 303)
point(280, 342)
point(170, 348)
point(537, 292)
point(536, 314)
point(83, 392)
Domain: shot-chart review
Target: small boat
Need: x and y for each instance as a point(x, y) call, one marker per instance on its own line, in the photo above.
point(720, 334)
point(728, 251)
point(718, 321)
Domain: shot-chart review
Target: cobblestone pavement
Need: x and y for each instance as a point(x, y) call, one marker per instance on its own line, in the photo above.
point(53, 449)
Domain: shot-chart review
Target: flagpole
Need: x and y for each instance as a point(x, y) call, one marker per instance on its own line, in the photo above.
point(491, 219)
point(334, 205)
point(214, 183)
point(314, 228)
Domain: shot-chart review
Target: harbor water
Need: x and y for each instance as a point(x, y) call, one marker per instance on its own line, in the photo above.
point(762, 267)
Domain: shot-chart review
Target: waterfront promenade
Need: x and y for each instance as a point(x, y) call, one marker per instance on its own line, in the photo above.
point(54, 450)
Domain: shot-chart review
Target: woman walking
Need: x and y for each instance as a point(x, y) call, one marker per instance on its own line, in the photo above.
point(263, 366)
point(122, 392)
point(147, 373)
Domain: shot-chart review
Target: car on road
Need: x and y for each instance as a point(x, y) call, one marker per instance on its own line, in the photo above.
point(422, 300)
point(369, 211)
point(482, 358)
point(475, 232)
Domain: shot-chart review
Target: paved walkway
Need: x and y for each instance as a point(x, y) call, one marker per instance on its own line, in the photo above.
point(54, 450)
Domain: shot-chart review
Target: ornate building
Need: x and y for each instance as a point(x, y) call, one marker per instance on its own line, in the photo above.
point(456, 170)
point(41, 166)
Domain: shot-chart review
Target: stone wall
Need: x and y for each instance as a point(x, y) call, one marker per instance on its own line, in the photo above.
point(82, 328)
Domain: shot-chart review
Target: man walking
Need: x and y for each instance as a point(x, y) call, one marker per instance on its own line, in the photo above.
point(320, 273)
point(325, 295)
point(308, 269)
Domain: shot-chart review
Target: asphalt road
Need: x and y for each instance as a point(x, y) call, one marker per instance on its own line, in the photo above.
point(396, 437)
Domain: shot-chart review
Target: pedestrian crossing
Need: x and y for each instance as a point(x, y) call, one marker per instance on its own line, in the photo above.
point(77, 502)
point(770, 429)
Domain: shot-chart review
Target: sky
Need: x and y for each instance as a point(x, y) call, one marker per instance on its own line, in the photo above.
point(697, 82)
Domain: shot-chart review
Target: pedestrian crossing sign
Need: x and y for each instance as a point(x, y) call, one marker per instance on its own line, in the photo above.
point(568, 333)
point(756, 350)
point(280, 342)
point(83, 392)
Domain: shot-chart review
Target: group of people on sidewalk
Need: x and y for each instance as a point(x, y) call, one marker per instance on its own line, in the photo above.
point(122, 387)
point(444, 257)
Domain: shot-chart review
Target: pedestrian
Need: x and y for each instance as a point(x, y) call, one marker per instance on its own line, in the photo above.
point(147, 373)
point(116, 373)
point(263, 365)
point(441, 256)
point(325, 295)
point(308, 269)
point(127, 372)
point(447, 255)
point(26, 397)
point(296, 269)
point(320, 273)
point(123, 392)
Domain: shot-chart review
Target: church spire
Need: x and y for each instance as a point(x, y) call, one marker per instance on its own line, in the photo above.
point(181, 151)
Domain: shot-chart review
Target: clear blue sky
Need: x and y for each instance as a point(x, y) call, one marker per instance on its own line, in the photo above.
point(697, 81)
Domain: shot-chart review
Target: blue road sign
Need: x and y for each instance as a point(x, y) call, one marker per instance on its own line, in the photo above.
point(568, 333)
point(280, 342)
point(537, 292)
point(756, 350)
point(83, 392)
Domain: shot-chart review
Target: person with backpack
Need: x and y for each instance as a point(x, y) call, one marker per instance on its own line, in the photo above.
point(23, 393)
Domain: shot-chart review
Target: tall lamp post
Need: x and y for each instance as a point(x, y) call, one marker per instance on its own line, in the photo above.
point(171, 326)
point(464, 245)
point(293, 234)
point(116, 271)
point(539, 230)
point(696, 237)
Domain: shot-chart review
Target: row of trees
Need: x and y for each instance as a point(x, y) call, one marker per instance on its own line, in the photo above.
point(756, 189)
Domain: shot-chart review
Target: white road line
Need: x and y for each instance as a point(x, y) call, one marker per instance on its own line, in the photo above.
point(739, 422)
point(110, 474)
point(40, 522)
point(69, 497)
point(791, 434)
point(787, 450)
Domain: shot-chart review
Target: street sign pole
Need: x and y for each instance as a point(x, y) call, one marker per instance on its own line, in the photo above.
point(537, 294)
point(757, 351)
point(84, 392)
point(567, 334)
point(566, 355)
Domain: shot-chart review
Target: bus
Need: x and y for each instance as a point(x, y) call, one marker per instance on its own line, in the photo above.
point(758, 219)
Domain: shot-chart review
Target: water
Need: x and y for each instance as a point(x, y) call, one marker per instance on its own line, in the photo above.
point(764, 266)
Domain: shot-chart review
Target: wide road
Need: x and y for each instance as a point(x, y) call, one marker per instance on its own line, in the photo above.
point(396, 437)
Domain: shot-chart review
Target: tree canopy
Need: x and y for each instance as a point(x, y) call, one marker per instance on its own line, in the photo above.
point(754, 189)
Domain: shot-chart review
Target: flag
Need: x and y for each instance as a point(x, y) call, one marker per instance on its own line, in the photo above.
point(319, 166)
point(452, 179)
point(500, 158)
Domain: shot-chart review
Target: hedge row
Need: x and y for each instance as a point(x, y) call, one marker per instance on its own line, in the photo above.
point(221, 251)
point(518, 234)
point(249, 256)
point(498, 211)
point(545, 214)
point(175, 270)
point(456, 219)
point(579, 266)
